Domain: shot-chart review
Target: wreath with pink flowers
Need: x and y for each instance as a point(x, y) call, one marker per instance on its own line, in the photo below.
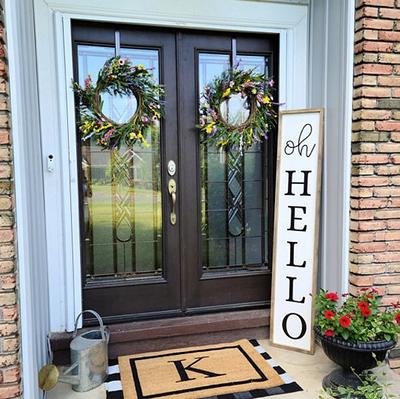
point(119, 77)
point(256, 91)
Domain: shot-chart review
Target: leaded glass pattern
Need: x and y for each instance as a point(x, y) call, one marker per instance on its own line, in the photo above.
point(233, 190)
point(121, 189)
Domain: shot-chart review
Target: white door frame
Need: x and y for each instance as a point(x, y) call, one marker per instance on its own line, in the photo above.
point(55, 72)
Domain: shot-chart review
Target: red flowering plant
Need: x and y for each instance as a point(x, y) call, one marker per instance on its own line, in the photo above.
point(358, 319)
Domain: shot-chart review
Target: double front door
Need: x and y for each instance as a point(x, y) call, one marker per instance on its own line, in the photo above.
point(217, 256)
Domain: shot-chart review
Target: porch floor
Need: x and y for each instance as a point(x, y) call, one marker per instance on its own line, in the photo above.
point(306, 370)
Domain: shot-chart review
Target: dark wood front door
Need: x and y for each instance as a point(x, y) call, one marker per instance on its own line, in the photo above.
point(135, 263)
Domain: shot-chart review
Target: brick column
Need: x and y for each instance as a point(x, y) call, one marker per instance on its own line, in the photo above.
point(9, 343)
point(375, 191)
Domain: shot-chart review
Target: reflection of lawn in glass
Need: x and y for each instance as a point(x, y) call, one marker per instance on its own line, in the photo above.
point(100, 205)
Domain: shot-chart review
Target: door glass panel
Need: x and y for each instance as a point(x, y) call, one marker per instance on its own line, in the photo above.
point(120, 189)
point(233, 190)
point(122, 108)
point(258, 62)
point(235, 111)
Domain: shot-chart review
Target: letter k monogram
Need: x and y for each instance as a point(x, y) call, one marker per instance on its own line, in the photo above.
point(182, 370)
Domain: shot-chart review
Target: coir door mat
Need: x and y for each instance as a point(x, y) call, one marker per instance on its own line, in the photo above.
point(238, 370)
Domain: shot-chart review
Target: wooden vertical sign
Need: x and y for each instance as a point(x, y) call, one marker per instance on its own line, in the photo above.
point(297, 208)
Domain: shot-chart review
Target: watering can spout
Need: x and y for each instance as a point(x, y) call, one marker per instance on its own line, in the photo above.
point(68, 377)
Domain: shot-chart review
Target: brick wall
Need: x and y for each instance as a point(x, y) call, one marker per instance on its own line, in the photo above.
point(375, 194)
point(9, 345)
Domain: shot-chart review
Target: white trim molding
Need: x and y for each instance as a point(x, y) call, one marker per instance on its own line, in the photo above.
point(331, 67)
point(347, 129)
point(55, 71)
point(29, 188)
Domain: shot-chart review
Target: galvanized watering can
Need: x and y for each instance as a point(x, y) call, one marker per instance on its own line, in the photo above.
point(89, 357)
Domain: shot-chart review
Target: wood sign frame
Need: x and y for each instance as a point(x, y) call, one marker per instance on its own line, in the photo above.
point(296, 230)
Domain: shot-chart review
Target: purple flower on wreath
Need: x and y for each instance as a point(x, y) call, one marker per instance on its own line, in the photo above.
point(231, 84)
point(88, 83)
point(108, 134)
point(271, 83)
point(214, 115)
point(106, 137)
point(248, 84)
point(145, 119)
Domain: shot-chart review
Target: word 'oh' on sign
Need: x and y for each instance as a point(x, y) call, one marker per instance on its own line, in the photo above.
point(297, 205)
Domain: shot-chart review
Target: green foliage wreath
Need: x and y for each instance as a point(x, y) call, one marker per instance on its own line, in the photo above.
point(119, 77)
point(256, 89)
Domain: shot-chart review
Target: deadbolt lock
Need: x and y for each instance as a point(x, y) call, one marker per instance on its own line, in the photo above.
point(171, 168)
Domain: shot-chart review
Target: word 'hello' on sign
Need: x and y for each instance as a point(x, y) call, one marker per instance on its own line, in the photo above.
point(297, 204)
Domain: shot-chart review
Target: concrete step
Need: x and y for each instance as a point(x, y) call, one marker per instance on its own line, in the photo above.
point(177, 332)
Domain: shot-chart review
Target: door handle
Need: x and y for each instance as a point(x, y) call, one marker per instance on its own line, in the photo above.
point(172, 193)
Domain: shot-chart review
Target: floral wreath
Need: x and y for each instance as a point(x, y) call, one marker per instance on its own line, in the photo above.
point(252, 86)
point(119, 77)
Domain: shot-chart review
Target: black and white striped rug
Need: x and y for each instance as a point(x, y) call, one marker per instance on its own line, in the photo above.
point(114, 387)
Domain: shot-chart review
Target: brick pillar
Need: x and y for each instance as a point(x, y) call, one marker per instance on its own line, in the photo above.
point(9, 342)
point(375, 191)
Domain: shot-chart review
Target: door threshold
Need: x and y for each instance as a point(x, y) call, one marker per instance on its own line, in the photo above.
point(155, 335)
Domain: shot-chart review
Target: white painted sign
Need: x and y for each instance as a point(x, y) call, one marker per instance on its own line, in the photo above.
point(297, 205)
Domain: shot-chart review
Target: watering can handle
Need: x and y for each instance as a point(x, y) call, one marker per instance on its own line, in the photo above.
point(100, 320)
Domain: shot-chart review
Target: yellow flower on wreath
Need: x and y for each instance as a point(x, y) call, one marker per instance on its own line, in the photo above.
point(103, 127)
point(209, 127)
point(226, 92)
point(266, 100)
point(88, 126)
point(222, 143)
point(142, 139)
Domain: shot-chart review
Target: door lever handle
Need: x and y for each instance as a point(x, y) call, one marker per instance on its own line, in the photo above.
point(172, 193)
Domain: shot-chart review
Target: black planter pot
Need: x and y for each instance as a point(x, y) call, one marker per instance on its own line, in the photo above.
point(351, 355)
